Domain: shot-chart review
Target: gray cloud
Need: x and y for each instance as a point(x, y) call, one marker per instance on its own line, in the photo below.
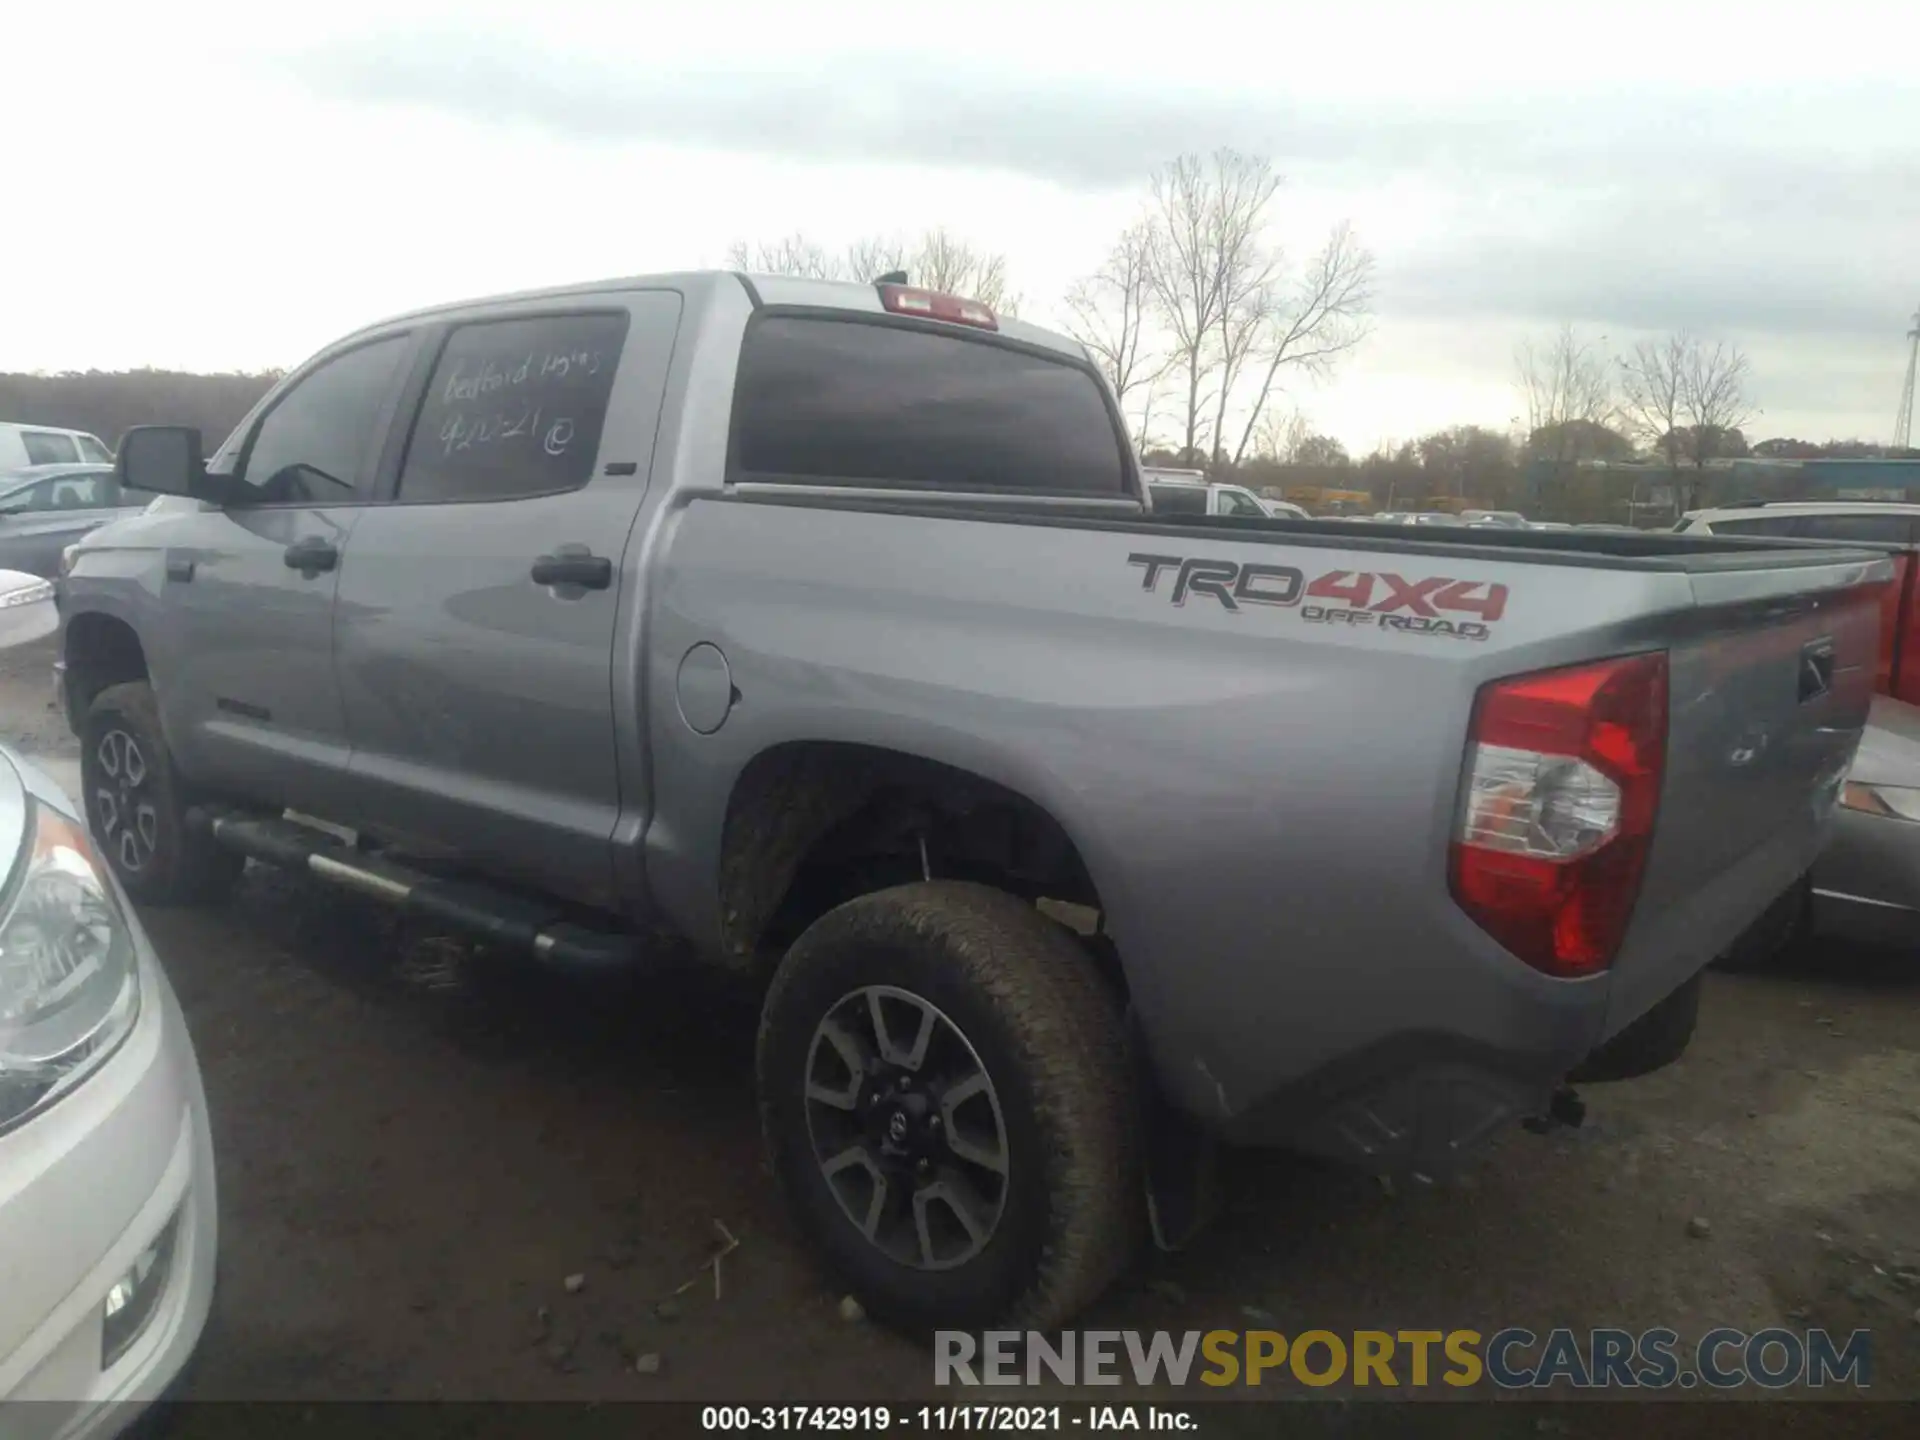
point(1752, 211)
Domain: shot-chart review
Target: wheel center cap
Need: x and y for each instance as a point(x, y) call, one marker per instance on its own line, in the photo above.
point(897, 1127)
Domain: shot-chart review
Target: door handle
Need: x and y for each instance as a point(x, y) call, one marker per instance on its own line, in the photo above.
point(588, 571)
point(312, 555)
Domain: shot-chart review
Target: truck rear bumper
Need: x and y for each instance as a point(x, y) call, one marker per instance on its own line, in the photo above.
point(1415, 1105)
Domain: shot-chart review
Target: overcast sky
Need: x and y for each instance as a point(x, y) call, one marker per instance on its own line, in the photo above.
point(217, 186)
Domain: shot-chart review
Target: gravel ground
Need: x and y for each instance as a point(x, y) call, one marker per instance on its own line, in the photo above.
point(419, 1144)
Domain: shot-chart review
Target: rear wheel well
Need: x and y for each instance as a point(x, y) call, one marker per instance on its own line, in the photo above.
point(101, 650)
point(812, 825)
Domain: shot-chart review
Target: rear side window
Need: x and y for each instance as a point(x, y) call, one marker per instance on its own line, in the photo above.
point(1756, 525)
point(1178, 499)
point(1234, 503)
point(515, 408)
point(91, 449)
point(1879, 529)
point(45, 447)
point(851, 402)
point(315, 445)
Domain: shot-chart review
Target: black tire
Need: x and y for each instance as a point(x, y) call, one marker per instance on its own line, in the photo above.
point(1764, 943)
point(1653, 1042)
point(1039, 1024)
point(139, 823)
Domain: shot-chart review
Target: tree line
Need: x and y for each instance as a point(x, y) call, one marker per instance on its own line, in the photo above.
point(108, 403)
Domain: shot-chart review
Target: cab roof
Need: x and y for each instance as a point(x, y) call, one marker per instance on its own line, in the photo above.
point(778, 290)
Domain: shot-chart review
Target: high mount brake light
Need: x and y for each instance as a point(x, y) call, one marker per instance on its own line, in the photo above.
point(906, 300)
point(1563, 775)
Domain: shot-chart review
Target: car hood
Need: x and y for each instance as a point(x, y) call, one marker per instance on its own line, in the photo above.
point(1890, 745)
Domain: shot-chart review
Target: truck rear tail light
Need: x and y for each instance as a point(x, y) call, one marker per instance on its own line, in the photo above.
point(1563, 774)
point(906, 300)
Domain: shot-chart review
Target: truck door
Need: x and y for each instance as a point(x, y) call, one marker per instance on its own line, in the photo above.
point(474, 633)
point(244, 664)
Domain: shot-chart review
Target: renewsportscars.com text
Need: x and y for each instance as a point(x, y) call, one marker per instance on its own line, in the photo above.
point(1510, 1359)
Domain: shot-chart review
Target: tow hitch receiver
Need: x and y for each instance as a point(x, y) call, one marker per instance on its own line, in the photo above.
point(1565, 1108)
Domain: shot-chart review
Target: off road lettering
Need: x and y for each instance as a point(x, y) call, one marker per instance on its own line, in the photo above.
point(1416, 606)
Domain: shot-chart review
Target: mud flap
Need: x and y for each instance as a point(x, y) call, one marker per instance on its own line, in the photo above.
point(1183, 1189)
point(1653, 1042)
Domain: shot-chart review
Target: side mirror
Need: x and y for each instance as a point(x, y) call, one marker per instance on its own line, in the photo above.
point(163, 458)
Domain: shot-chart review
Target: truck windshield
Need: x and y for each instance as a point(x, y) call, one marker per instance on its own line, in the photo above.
point(850, 401)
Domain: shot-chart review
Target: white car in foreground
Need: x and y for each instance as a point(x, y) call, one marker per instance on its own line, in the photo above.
point(107, 1201)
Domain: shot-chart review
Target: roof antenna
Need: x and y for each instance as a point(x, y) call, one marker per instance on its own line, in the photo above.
point(892, 277)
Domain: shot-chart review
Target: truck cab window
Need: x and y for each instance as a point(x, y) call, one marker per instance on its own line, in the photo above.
point(514, 409)
point(317, 445)
point(1878, 529)
point(45, 447)
point(1759, 525)
point(857, 403)
point(1179, 499)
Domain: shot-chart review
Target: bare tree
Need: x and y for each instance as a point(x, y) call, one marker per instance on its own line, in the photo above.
point(873, 257)
point(1324, 317)
point(945, 263)
point(940, 261)
point(1208, 263)
point(1110, 312)
point(1653, 384)
point(789, 255)
point(1715, 394)
point(1687, 401)
point(1566, 386)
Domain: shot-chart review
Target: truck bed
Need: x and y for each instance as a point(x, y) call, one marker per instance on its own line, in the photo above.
point(1264, 791)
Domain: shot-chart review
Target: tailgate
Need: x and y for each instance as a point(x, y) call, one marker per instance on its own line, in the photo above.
point(1771, 678)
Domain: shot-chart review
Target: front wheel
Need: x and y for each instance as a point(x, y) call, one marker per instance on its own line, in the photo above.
point(945, 1090)
point(135, 803)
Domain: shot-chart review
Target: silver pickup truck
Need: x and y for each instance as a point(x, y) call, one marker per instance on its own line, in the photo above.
point(831, 627)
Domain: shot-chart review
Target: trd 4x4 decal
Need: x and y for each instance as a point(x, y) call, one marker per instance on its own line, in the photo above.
point(1381, 599)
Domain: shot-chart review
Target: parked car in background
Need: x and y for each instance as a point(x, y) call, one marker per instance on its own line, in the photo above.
point(1866, 884)
point(107, 1192)
point(1500, 519)
point(1283, 509)
point(1198, 497)
point(24, 445)
point(45, 508)
point(1881, 521)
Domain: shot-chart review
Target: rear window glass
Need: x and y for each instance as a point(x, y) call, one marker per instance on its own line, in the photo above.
point(1880, 529)
point(1758, 525)
point(837, 400)
point(1179, 499)
point(44, 447)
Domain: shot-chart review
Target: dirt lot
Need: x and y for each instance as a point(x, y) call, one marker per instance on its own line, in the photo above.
point(419, 1143)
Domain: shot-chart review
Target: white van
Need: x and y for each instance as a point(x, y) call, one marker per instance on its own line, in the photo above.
point(24, 445)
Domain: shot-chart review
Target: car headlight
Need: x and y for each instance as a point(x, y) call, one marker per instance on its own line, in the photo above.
point(69, 979)
point(1890, 802)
